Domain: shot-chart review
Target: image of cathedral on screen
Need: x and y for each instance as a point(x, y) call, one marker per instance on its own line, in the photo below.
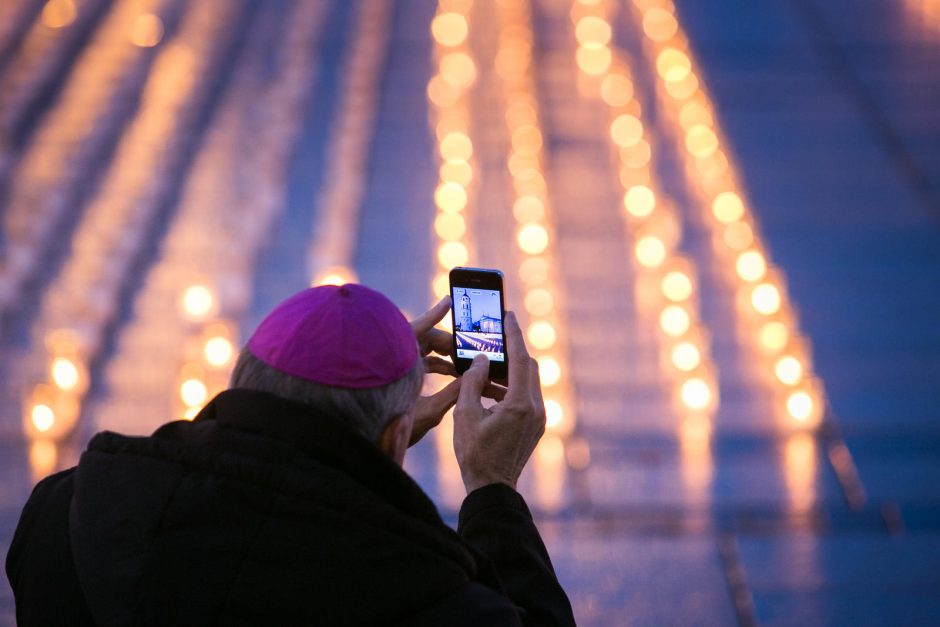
point(483, 301)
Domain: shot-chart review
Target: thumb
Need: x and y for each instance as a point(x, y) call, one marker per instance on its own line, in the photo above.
point(473, 382)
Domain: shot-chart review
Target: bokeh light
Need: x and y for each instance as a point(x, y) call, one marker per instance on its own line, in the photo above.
point(541, 334)
point(449, 29)
point(198, 301)
point(532, 238)
point(452, 254)
point(766, 299)
point(650, 251)
point(549, 370)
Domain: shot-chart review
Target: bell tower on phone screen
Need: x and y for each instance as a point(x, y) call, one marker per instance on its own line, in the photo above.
point(466, 315)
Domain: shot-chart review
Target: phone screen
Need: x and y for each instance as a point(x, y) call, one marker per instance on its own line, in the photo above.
point(478, 317)
point(478, 323)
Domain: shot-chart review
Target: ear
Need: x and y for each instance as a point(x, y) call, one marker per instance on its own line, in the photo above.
point(393, 441)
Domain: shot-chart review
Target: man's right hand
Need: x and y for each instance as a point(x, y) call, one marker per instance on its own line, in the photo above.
point(493, 444)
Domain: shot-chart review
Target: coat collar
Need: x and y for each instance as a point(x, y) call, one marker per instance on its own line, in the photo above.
point(324, 438)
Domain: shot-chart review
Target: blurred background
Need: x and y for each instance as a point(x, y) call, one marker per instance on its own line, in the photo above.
point(719, 223)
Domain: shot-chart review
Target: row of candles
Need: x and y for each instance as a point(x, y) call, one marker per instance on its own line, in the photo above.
point(666, 285)
point(83, 299)
point(210, 348)
point(768, 320)
point(532, 211)
point(448, 93)
point(77, 122)
point(536, 243)
point(333, 242)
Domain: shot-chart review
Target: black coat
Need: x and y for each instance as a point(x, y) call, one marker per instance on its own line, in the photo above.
point(259, 512)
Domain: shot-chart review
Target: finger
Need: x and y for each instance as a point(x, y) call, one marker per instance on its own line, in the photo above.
point(535, 382)
point(474, 380)
point(438, 403)
point(439, 341)
point(518, 359)
point(495, 392)
point(437, 365)
point(426, 321)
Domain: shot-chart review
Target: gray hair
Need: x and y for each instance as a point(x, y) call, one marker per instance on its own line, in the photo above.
point(367, 410)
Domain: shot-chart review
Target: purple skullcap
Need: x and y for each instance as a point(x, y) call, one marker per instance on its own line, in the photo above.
point(348, 336)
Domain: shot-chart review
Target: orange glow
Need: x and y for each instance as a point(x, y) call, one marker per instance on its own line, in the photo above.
point(65, 373)
point(441, 93)
point(578, 453)
point(58, 13)
point(450, 197)
point(43, 457)
point(639, 201)
point(751, 265)
point(218, 351)
point(534, 271)
point(674, 320)
point(456, 172)
point(528, 209)
point(449, 29)
point(712, 166)
point(789, 370)
point(550, 470)
point(198, 301)
point(450, 226)
point(766, 299)
point(441, 286)
point(337, 275)
point(637, 155)
point(527, 137)
point(677, 286)
point(532, 239)
point(686, 88)
point(456, 146)
point(686, 356)
point(541, 335)
point(148, 31)
point(659, 24)
point(458, 69)
point(728, 207)
point(773, 336)
point(693, 113)
point(554, 414)
point(513, 59)
point(800, 469)
point(549, 370)
point(523, 165)
point(650, 251)
point(193, 392)
point(594, 61)
point(593, 31)
point(800, 406)
point(452, 254)
point(539, 302)
point(626, 130)
point(616, 90)
point(695, 394)
point(701, 140)
point(673, 65)
point(519, 113)
point(738, 235)
point(42, 417)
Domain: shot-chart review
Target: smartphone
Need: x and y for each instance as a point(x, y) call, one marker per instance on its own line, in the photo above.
point(477, 313)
